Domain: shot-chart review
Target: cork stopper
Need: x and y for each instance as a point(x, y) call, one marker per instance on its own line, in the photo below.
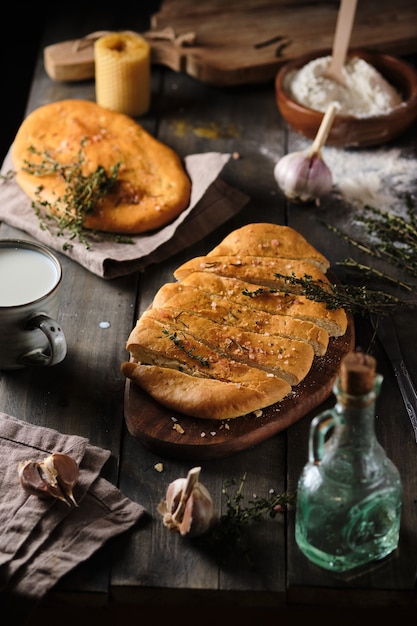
point(357, 373)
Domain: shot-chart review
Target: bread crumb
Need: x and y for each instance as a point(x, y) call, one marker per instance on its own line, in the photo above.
point(159, 467)
point(178, 428)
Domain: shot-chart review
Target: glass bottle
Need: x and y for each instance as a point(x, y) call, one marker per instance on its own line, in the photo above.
point(349, 493)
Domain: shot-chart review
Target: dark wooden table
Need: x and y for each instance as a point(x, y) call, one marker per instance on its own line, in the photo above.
point(150, 566)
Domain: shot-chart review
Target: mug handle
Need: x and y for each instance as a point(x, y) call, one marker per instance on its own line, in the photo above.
point(56, 340)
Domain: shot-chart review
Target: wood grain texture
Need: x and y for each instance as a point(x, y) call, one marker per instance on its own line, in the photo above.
point(150, 567)
point(247, 41)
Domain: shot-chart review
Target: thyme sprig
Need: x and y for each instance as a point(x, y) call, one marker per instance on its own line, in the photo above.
point(228, 534)
point(395, 243)
point(179, 343)
point(81, 195)
point(355, 299)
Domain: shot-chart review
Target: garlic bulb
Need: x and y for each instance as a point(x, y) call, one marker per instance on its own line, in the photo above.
point(188, 507)
point(54, 477)
point(304, 176)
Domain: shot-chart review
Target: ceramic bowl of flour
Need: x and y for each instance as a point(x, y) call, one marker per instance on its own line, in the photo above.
point(378, 103)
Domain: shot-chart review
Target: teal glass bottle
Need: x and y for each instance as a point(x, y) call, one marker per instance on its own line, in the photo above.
point(349, 493)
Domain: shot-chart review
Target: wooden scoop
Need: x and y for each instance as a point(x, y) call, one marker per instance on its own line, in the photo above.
point(345, 19)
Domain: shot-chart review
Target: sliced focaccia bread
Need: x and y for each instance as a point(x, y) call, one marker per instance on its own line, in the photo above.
point(177, 298)
point(270, 240)
point(275, 302)
point(254, 269)
point(232, 335)
point(153, 344)
point(289, 359)
point(206, 398)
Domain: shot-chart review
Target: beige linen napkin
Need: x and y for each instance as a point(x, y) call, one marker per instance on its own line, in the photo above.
point(41, 540)
point(212, 203)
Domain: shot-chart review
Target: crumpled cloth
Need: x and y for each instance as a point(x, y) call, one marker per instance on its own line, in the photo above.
point(42, 540)
point(212, 203)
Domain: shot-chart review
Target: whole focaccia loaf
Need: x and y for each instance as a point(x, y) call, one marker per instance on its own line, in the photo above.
point(151, 189)
point(227, 338)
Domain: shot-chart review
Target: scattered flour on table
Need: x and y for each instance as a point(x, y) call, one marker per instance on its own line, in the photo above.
point(380, 178)
point(366, 93)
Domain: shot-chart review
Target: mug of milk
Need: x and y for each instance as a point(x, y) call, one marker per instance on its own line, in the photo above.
point(30, 278)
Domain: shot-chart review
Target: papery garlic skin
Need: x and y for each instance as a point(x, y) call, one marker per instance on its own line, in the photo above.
point(303, 176)
point(188, 507)
point(53, 477)
point(199, 515)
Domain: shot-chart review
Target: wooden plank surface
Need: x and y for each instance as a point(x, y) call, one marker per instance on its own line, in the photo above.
point(150, 566)
point(246, 41)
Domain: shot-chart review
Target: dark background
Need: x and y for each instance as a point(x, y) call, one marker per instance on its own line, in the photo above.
point(21, 40)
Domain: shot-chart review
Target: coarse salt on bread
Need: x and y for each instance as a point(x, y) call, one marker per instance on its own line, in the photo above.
point(270, 240)
point(178, 298)
point(254, 269)
point(290, 359)
point(199, 397)
point(275, 302)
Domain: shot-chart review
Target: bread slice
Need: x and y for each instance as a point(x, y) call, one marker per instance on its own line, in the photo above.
point(270, 240)
point(254, 269)
point(289, 359)
point(178, 298)
point(206, 398)
point(262, 298)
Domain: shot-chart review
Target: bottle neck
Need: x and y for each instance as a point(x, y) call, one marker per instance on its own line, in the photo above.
point(356, 416)
point(357, 421)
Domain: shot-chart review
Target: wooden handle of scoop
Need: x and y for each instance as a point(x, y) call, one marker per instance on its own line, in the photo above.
point(345, 19)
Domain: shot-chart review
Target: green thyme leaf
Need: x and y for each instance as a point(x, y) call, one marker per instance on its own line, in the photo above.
point(82, 193)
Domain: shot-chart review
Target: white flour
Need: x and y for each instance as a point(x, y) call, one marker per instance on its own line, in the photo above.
point(379, 178)
point(366, 93)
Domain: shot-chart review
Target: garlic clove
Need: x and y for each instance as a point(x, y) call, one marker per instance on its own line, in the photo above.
point(199, 514)
point(188, 507)
point(53, 477)
point(64, 471)
point(35, 482)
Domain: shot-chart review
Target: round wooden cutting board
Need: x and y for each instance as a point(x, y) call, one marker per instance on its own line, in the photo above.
point(157, 427)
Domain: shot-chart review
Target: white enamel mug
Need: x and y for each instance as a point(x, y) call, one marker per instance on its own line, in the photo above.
point(30, 280)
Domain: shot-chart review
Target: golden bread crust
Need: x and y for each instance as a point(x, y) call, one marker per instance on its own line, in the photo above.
point(270, 240)
point(254, 269)
point(278, 303)
point(177, 298)
point(216, 346)
point(287, 358)
point(152, 186)
point(200, 396)
point(150, 343)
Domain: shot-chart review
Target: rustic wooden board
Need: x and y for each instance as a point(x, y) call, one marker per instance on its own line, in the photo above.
point(246, 41)
point(153, 425)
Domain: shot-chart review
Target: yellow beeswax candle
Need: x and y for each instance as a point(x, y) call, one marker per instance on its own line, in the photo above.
point(123, 73)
